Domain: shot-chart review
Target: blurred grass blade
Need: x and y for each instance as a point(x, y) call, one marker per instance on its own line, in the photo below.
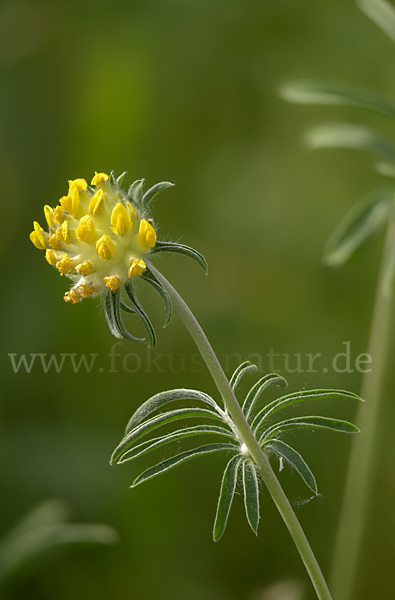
point(251, 495)
point(174, 461)
point(366, 217)
point(242, 369)
point(299, 398)
point(328, 93)
point(42, 532)
point(255, 392)
point(158, 421)
point(382, 13)
point(385, 169)
point(226, 494)
point(295, 460)
point(176, 436)
point(164, 398)
point(162, 246)
point(154, 191)
point(309, 423)
point(357, 137)
point(389, 273)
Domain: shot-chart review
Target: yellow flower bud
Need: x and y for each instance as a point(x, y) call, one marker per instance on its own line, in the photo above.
point(105, 247)
point(137, 267)
point(95, 202)
point(84, 269)
point(62, 233)
point(86, 230)
point(72, 296)
point(147, 235)
point(54, 242)
point(120, 220)
point(37, 237)
point(131, 210)
point(99, 179)
point(112, 282)
point(79, 184)
point(64, 265)
point(85, 290)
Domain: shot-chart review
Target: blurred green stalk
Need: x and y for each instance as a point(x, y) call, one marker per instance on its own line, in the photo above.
point(358, 488)
point(261, 460)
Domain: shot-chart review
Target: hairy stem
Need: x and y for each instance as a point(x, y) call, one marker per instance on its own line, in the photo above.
point(357, 493)
point(260, 458)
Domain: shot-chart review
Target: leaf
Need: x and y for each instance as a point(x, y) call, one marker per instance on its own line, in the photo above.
point(345, 135)
point(295, 460)
point(226, 494)
point(329, 93)
point(136, 191)
point(141, 313)
point(154, 191)
point(382, 13)
point(257, 390)
point(158, 421)
point(162, 246)
point(174, 461)
point(181, 434)
point(148, 276)
point(163, 398)
point(366, 217)
point(251, 495)
point(299, 398)
point(243, 369)
point(126, 307)
point(309, 423)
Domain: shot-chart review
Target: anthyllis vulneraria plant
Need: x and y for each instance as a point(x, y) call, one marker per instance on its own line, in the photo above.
point(101, 238)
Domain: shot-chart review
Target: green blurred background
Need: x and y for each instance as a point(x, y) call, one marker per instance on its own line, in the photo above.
point(184, 91)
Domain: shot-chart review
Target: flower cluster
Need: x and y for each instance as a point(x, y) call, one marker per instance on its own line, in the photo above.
point(96, 237)
point(101, 237)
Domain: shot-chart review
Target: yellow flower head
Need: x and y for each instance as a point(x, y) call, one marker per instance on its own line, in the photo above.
point(96, 236)
point(102, 238)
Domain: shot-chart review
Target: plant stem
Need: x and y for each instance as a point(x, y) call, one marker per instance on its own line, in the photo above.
point(357, 493)
point(260, 458)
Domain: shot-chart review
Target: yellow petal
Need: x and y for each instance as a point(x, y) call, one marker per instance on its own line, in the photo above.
point(147, 235)
point(37, 237)
point(86, 230)
point(84, 269)
point(112, 282)
point(48, 212)
point(137, 267)
point(99, 178)
point(62, 233)
point(79, 184)
point(75, 201)
point(51, 257)
point(120, 220)
point(58, 214)
point(95, 202)
point(105, 247)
